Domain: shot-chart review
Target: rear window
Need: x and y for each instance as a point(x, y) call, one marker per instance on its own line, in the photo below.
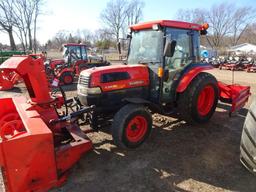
point(117, 76)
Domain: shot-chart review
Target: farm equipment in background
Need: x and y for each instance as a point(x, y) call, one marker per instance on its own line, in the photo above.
point(236, 64)
point(75, 60)
point(8, 79)
point(170, 82)
point(251, 67)
point(38, 144)
point(215, 62)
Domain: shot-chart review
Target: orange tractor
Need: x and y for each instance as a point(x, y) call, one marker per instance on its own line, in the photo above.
point(75, 59)
point(39, 143)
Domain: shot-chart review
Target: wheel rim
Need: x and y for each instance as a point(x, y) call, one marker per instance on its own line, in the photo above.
point(136, 128)
point(205, 100)
point(67, 79)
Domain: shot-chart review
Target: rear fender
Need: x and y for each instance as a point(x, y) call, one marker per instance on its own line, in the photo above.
point(65, 70)
point(189, 74)
point(56, 62)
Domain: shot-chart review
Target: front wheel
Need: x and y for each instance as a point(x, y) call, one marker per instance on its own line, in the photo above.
point(198, 102)
point(67, 78)
point(131, 126)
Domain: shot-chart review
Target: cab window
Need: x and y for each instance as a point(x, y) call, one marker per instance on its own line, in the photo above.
point(183, 50)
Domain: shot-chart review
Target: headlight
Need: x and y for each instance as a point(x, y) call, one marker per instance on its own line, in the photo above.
point(94, 90)
point(88, 91)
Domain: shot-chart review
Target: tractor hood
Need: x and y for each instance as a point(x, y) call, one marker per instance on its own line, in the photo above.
point(131, 69)
point(112, 77)
point(109, 85)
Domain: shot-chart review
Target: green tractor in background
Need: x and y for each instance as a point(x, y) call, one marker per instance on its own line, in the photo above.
point(4, 55)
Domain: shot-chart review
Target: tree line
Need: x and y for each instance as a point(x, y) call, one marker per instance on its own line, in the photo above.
point(229, 25)
point(115, 18)
point(19, 17)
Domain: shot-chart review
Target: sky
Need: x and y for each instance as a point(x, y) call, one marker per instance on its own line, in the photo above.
point(72, 15)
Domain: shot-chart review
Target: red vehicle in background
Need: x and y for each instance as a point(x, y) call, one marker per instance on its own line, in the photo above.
point(75, 59)
point(251, 68)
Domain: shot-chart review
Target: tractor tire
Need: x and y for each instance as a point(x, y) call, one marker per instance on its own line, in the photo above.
point(131, 126)
point(67, 78)
point(248, 140)
point(198, 102)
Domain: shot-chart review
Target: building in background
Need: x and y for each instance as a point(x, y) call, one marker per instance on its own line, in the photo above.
point(245, 48)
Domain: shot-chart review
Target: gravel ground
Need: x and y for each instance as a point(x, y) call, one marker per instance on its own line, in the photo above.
point(177, 157)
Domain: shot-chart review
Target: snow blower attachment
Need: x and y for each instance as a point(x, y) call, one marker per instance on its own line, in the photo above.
point(8, 79)
point(37, 145)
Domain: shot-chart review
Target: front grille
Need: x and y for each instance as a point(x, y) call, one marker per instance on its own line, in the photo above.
point(84, 80)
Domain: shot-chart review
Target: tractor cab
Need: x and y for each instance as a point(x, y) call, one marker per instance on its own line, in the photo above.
point(167, 48)
point(73, 52)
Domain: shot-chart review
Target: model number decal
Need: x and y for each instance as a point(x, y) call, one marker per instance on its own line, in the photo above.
point(136, 82)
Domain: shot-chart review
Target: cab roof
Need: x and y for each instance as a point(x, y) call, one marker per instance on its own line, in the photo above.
point(167, 23)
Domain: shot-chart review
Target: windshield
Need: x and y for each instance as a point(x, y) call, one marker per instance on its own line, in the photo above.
point(146, 46)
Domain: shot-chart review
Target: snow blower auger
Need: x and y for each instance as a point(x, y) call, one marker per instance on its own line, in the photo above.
point(8, 79)
point(38, 146)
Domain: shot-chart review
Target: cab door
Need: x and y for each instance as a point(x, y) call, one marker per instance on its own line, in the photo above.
point(183, 56)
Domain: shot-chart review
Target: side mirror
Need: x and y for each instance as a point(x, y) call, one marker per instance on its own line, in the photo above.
point(119, 47)
point(128, 36)
point(203, 32)
point(169, 48)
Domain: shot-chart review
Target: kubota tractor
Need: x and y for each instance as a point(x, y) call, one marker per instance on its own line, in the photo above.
point(162, 75)
point(75, 59)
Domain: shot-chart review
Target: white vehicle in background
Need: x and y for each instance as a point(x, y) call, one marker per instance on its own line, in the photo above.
point(92, 56)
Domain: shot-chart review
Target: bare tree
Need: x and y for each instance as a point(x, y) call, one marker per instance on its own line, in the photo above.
point(114, 16)
point(24, 15)
point(7, 19)
point(219, 18)
point(241, 21)
point(227, 22)
point(37, 11)
point(134, 11)
point(194, 15)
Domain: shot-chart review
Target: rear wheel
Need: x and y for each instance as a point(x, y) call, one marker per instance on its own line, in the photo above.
point(198, 102)
point(67, 78)
point(131, 126)
point(248, 140)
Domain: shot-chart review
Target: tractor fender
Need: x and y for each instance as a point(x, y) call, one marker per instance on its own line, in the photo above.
point(65, 70)
point(55, 62)
point(189, 76)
